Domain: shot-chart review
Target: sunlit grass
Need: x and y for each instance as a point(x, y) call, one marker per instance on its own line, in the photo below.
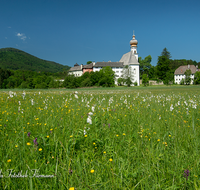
point(142, 138)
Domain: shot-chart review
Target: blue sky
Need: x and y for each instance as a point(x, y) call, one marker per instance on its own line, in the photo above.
point(77, 31)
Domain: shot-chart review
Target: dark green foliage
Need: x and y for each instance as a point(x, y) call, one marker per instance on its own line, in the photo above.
point(145, 64)
point(145, 79)
point(107, 77)
point(14, 59)
point(70, 82)
point(104, 77)
point(89, 62)
point(162, 67)
point(187, 77)
point(169, 79)
point(27, 79)
point(166, 53)
point(120, 81)
point(182, 82)
point(197, 78)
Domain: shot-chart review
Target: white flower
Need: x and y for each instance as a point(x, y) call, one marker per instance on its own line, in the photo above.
point(93, 108)
point(19, 103)
point(171, 108)
point(89, 120)
point(194, 106)
point(76, 96)
point(84, 132)
point(90, 113)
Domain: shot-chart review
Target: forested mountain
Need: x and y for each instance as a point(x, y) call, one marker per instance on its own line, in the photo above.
point(15, 59)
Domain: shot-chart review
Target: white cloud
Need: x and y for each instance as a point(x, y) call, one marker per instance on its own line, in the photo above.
point(21, 36)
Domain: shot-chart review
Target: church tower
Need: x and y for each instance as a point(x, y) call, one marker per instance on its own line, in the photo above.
point(133, 44)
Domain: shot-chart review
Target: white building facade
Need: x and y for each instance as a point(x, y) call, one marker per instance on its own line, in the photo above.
point(179, 73)
point(129, 60)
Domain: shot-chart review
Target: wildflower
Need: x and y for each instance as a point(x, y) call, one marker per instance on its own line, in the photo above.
point(186, 174)
point(93, 108)
point(71, 188)
point(47, 136)
point(94, 143)
point(169, 135)
point(124, 134)
point(110, 159)
point(92, 171)
point(85, 135)
point(9, 160)
point(158, 140)
point(16, 146)
point(40, 149)
point(104, 152)
point(29, 133)
point(35, 142)
point(28, 143)
point(71, 136)
point(89, 120)
point(171, 107)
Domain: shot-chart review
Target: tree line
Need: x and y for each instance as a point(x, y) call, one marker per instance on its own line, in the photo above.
point(30, 79)
point(163, 71)
point(165, 68)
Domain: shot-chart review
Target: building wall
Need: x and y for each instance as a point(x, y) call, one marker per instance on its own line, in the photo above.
point(76, 73)
point(136, 73)
point(87, 70)
point(178, 78)
point(119, 73)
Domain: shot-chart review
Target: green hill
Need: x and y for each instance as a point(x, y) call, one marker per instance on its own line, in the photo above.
point(15, 59)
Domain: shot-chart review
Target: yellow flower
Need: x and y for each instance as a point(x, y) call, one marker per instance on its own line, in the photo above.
point(92, 171)
point(117, 135)
point(94, 143)
point(51, 129)
point(71, 136)
point(53, 157)
point(16, 146)
point(169, 135)
point(9, 160)
point(124, 134)
point(71, 188)
point(104, 152)
point(110, 159)
point(47, 136)
point(40, 149)
point(158, 140)
point(28, 143)
point(85, 135)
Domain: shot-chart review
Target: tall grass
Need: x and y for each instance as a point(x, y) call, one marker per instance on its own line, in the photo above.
point(139, 139)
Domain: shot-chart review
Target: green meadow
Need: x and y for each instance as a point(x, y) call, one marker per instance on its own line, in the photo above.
point(100, 138)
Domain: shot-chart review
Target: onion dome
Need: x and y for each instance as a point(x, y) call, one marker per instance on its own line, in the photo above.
point(133, 42)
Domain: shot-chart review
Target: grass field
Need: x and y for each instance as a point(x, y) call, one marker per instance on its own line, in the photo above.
point(101, 138)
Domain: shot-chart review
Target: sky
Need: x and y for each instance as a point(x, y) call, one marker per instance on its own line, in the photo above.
point(77, 31)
